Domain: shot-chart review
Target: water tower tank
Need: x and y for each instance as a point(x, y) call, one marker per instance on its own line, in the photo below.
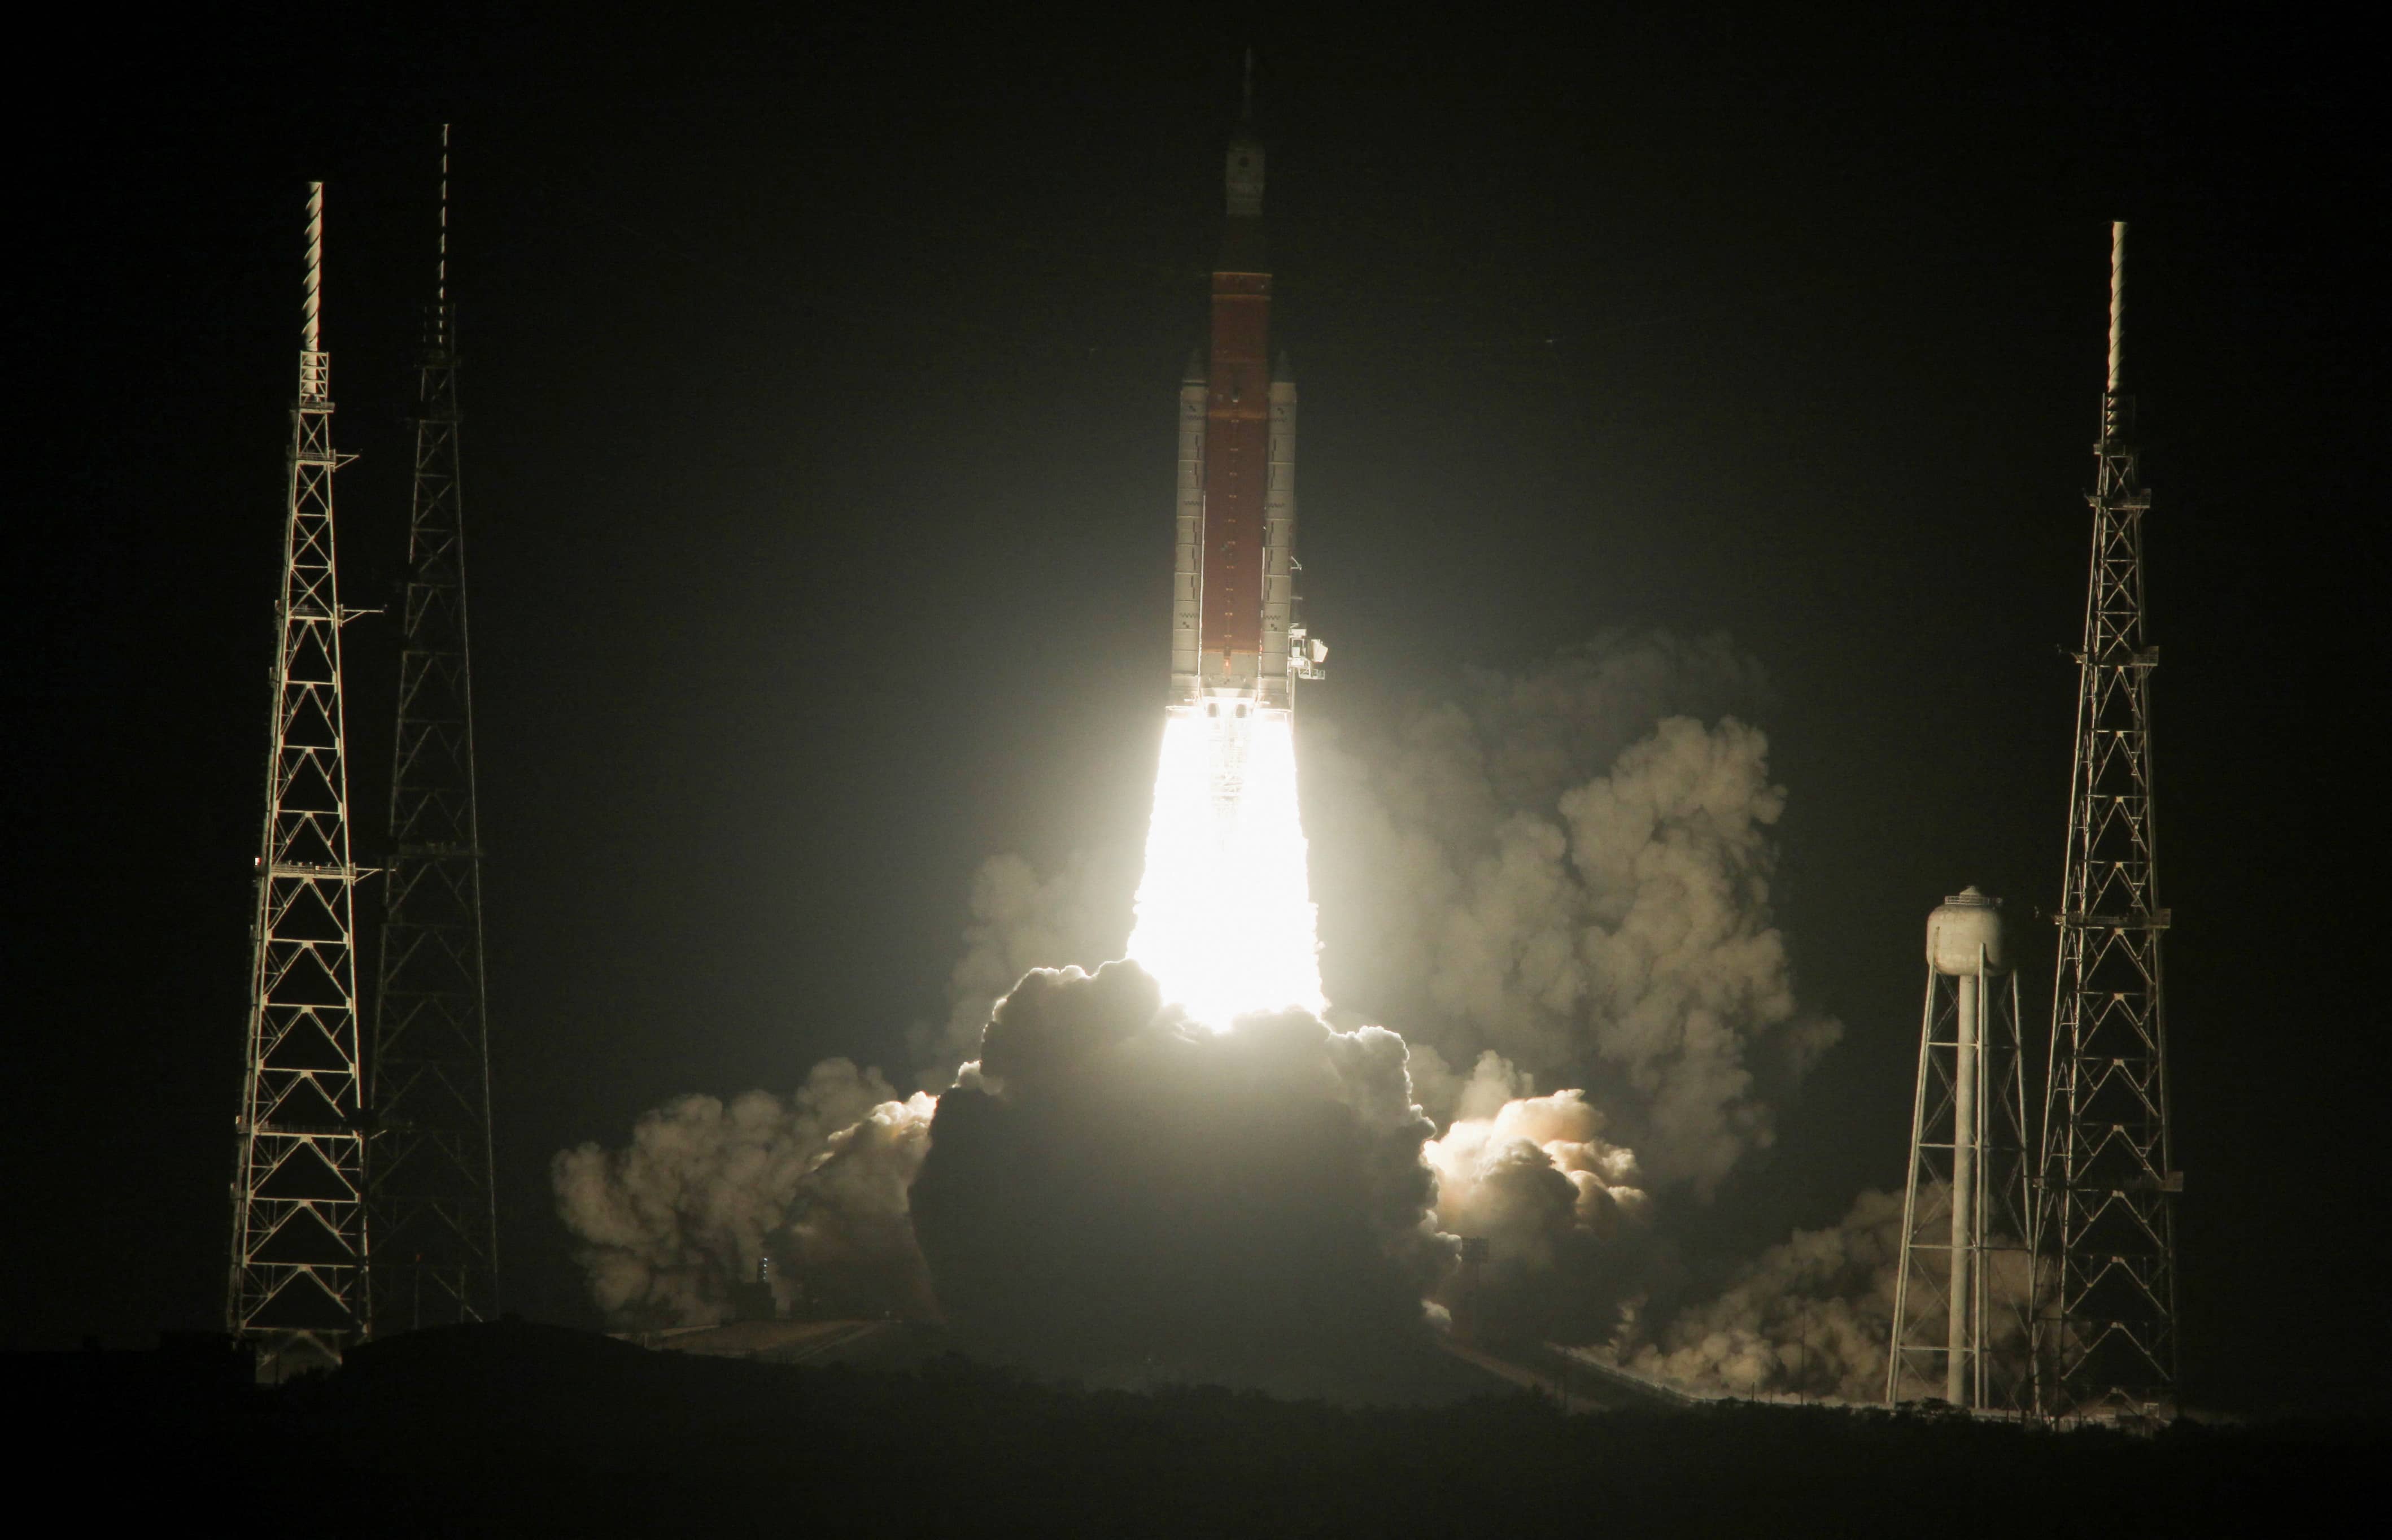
point(1958, 927)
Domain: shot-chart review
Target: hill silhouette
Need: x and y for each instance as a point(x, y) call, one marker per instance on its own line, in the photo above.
point(515, 1428)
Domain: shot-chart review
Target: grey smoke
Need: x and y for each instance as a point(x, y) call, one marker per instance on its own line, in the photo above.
point(1812, 1315)
point(1019, 920)
point(1571, 867)
point(1110, 1187)
point(849, 1240)
point(668, 1223)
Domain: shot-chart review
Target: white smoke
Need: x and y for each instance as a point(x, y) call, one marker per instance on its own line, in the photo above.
point(668, 1224)
point(1521, 1170)
point(1564, 869)
point(1558, 1207)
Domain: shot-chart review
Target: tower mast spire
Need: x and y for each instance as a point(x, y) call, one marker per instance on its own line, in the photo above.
point(437, 1255)
point(2110, 1182)
point(297, 1286)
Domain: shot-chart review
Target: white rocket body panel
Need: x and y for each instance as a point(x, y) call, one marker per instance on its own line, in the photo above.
point(1279, 546)
point(1188, 562)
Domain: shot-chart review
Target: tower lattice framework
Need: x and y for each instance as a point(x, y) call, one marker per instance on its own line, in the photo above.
point(429, 1170)
point(2110, 1181)
point(298, 1287)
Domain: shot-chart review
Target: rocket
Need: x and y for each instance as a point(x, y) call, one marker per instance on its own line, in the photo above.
point(1236, 646)
point(1225, 922)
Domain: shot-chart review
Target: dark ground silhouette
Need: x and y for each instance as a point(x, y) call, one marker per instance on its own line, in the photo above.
point(516, 1429)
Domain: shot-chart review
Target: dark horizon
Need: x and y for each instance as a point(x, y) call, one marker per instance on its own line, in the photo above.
point(818, 390)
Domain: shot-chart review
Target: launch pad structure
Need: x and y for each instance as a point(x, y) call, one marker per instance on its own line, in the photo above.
point(298, 1283)
point(332, 1149)
point(2107, 1195)
point(428, 1167)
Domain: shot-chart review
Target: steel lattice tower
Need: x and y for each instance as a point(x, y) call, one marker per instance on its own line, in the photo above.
point(2109, 1180)
point(298, 1282)
point(435, 1223)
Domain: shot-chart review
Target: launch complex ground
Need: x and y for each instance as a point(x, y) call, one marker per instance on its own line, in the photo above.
point(512, 1427)
point(1574, 1379)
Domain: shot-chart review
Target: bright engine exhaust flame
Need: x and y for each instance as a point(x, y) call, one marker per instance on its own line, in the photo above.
point(1225, 911)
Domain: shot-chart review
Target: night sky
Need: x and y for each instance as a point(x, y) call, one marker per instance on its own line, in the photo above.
point(820, 380)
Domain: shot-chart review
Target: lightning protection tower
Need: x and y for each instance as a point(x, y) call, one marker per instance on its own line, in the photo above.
point(1963, 1300)
point(298, 1284)
point(2109, 1185)
point(428, 1168)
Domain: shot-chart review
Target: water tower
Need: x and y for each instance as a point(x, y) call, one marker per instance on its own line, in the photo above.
point(1962, 1301)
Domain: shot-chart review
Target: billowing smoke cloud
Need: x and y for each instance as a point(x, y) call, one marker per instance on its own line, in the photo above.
point(671, 1222)
point(1111, 1188)
point(1571, 868)
point(1556, 1205)
point(1810, 1316)
point(1020, 921)
point(849, 1242)
point(1513, 1166)
point(1559, 880)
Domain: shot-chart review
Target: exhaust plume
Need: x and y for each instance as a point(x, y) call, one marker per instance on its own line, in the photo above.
point(1225, 921)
